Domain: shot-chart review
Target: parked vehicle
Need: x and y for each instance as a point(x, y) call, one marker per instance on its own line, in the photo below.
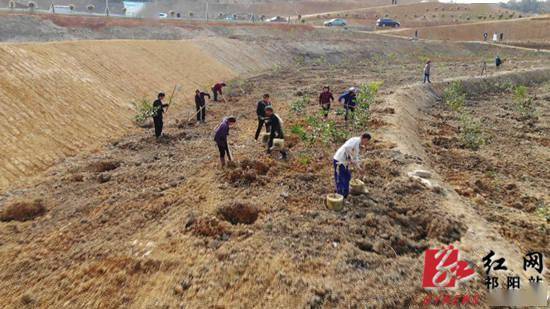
point(163, 15)
point(277, 19)
point(335, 22)
point(387, 22)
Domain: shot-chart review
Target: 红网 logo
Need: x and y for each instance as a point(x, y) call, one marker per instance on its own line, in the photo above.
point(443, 269)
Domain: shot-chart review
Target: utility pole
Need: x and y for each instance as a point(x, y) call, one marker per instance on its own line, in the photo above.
point(107, 7)
point(207, 11)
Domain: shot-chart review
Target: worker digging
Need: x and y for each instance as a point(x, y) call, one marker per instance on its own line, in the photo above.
point(217, 89)
point(200, 104)
point(349, 99)
point(344, 157)
point(220, 137)
point(275, 133)
point(158, 111)
point(260, 113)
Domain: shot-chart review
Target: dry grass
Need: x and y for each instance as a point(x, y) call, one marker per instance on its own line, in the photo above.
point(516, 30)
point(23, 210)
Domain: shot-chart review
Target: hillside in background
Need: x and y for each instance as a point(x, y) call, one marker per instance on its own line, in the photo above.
point(423, 14)
point(223, 7)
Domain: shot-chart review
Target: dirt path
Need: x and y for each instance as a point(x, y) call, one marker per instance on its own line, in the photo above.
point(388, 33)
point(409, 103)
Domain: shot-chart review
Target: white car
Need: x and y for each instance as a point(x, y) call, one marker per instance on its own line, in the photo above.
point(335, 22)
point(163, 15)
point(277, 19)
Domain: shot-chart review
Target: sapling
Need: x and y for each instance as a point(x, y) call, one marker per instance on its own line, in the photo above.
point(454, 96)
point(144, 110)
point(523, 103)
point(471, 133)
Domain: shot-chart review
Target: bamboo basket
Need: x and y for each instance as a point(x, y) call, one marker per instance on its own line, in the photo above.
point(335, 201)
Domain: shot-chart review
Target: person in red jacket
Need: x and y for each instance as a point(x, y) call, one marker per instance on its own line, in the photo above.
point(217, 89)
point(325, 98)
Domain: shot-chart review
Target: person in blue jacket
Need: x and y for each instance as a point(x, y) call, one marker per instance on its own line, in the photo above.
point(349, 99)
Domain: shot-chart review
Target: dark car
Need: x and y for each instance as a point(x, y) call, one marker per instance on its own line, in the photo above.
point(387, 22)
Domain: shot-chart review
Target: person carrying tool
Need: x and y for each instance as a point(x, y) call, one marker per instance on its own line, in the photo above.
point(276, 130)
point(217, 90)
point(427, 68)
point(325, 98)
point(260, 112)
point(221, 138)
point(349, 99)
point(158, 110)
point(200, 104)
point(344, 156)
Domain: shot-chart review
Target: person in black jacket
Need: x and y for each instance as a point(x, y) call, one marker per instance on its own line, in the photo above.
point(260, 112)
point(276, 129)
point(200, 104)
point(158, 110)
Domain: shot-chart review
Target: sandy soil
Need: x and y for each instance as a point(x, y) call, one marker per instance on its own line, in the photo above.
point(140, 223)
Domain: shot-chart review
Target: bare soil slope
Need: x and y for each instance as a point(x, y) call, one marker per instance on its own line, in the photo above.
point(59, 98)
point(141, 223)
point(535, 28)
point(422, 14)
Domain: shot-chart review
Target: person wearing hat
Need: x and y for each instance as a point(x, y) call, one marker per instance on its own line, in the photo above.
point(158, 110)
point(349, 99)
point(276, 129)
point(221, 138)
point(344, 157)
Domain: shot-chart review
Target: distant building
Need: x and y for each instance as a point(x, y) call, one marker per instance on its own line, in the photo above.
point(133, 8)
point(60, 9)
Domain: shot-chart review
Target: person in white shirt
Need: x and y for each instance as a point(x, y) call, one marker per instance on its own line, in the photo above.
point(344, 156)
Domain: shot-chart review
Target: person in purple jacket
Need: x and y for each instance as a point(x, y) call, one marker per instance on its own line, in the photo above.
point(221, 138)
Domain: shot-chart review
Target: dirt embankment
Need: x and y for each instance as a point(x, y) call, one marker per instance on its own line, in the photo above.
point(534, 29)
point(421, 14)
point(486, 187)
point(59, 98)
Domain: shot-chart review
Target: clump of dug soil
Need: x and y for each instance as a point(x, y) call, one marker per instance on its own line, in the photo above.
point(103, 166)
point(239, 176)
point(259, 167)
point(23, 210)
point(238, 212)
point(208, 226)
